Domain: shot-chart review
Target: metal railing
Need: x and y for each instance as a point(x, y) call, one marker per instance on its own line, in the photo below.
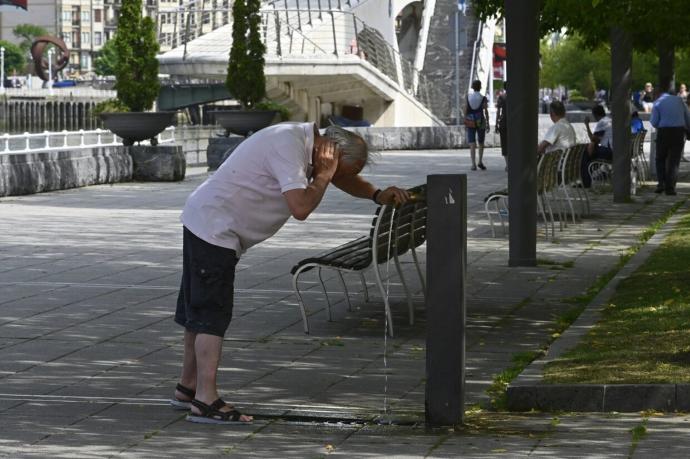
point(64, 140)
point(484, 40)
point(69, 91)
point(194, 18)
point(313, 32)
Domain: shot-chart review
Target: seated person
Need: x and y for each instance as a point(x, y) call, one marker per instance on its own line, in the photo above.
point(647, 97)
point(561, 134)
point(600, 142)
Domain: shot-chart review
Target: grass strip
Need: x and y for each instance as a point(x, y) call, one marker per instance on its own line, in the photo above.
point(643, 336)
point(497, 390)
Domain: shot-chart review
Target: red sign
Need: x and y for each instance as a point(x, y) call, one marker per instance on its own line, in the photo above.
point(500, 56)
point(18, 3)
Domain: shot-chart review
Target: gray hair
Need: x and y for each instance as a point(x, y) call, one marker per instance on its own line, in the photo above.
point(353, 148)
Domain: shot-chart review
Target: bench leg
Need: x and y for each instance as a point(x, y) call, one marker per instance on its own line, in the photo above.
point(364, 287)
point(488, 216)
point(347, 295)
point(410, 306)
point(325, 292)
point(389, 316)
point(419, 272)
point(300, 301)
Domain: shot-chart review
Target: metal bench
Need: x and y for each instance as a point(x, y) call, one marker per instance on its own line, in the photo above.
point(394, 231)
point(601, 170)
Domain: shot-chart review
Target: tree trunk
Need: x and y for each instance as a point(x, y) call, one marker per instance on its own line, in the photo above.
point(621, 81)
point(667, 67)
point(522, 39)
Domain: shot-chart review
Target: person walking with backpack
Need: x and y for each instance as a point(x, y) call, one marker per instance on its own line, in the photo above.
point(476, 123)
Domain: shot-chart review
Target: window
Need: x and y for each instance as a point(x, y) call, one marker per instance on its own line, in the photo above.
point(85, 16)
point(75, 39)
point(97, 15)
point(97, 38)
point(85, 62)
point(85, 38)
point(67, 38)
point(67, 16)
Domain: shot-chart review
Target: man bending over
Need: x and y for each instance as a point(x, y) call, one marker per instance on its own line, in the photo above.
point(280, 171)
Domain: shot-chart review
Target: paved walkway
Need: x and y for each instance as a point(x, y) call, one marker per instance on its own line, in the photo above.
point(90, 353)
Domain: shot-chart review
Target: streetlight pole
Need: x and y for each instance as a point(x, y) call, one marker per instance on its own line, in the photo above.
point(50, 71)
point(2, 70)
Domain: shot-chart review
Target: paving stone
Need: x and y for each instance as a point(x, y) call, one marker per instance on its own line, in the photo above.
point(108, 295)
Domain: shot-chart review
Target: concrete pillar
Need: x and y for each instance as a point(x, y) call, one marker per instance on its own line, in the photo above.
point(621, 82)
point(522, 40)
point(445, 299)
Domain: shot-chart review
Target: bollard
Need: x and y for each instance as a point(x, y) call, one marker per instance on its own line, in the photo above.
point(445, 299)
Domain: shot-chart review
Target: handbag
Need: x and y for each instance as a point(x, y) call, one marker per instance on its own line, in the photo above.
point(474, 121)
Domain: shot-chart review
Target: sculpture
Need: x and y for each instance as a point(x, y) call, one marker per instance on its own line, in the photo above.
point(60, 60)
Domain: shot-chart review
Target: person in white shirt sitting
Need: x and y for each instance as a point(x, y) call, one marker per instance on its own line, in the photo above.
point(600, 142)
point(561, 134)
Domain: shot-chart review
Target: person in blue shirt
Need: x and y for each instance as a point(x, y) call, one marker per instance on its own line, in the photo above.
point(671, 118)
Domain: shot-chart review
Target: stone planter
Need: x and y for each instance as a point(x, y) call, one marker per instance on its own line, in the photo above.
point(219, 148)
point(138, 126)
point(162, 163)
point(244, 122)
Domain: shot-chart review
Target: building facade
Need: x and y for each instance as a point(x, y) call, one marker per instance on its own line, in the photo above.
point(84, 25)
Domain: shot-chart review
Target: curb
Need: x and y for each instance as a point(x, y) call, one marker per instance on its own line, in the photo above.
point(529, 392)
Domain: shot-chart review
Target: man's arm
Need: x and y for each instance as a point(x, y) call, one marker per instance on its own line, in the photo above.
point(543, 145)
point(486, 113)
point(356, 186)
point(589, 131)
point(303, 201)
point(654, 119)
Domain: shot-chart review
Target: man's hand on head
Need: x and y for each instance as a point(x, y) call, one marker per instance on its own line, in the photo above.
point(393, 196)
point(326, 156)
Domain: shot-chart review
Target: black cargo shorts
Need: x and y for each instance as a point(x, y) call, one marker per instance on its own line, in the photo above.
point(205, 302)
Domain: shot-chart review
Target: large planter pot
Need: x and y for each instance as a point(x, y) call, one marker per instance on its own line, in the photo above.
point(585, 105)
point(138, 126)
point(244, 122)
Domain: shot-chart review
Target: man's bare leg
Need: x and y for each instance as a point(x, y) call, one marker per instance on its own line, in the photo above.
point(208, 351)
point(188, 377)
point(481, 156)
point(472, 156)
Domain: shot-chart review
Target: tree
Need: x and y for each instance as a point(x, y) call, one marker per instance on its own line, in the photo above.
point(136, 68)
point(14, 58)
point(28, 33)
point(106, 61)
point(569, 62)
point(665, 30)
point(246, 80)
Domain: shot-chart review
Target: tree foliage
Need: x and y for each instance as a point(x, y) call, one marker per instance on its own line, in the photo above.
point(569, 62)
point(28, 33)
point(14, 58)
point(106, 61)
point(246, 80)
point(653, 27)
point(136, 67)
point(648, 23)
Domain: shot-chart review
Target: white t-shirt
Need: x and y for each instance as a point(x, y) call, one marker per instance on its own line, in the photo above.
point(242, 203)
point(475, 100)
point(604, 125)
point(560, 136)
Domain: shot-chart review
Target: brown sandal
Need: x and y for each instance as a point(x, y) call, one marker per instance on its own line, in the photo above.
point(183, 404)
point(211, 414)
